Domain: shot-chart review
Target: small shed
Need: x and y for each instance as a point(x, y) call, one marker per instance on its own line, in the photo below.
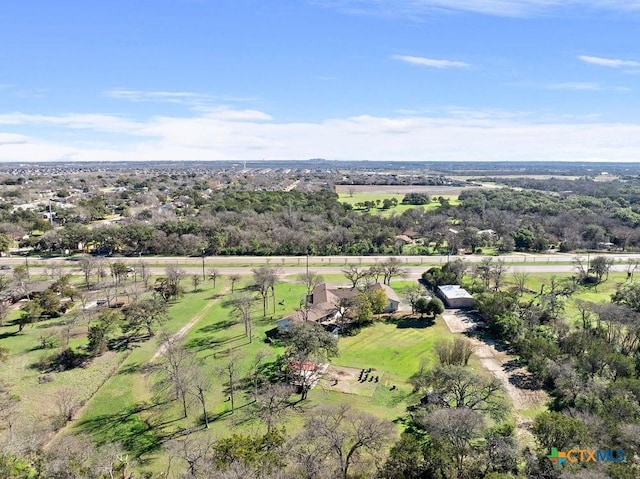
point(455, 296)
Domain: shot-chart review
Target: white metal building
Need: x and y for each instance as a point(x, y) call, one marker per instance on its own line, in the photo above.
point(455, 296)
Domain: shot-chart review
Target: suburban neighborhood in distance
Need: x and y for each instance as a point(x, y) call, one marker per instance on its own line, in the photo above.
point(320, 239)
point(214, 319)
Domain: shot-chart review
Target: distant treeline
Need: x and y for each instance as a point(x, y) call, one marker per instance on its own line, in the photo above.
point(557, 213)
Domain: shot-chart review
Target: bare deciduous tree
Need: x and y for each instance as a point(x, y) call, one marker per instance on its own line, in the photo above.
point(585, 308)
point(455, 429)
point(195, 451)
point(241, 307)
point(176, 371)
point(8, 407)
point(348, 437)
point(213, 275)
point(234, 278)
point(67, 404)
point(271, 402)
point(391, 268)
point(257, 375)
point(310, 279)
point(521, 278)
point(581, 267)
point(355, 274)
point(200, 384)
point(632, 266)
point(230, 371)
point(497, 273)
point(195, 280)
point(456, 352)
point(265, 278)
point(145, 273)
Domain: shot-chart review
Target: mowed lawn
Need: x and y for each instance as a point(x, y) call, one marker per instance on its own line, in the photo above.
point(113, 413)
point(399, 209)
point(126, 410)
point(394, 347)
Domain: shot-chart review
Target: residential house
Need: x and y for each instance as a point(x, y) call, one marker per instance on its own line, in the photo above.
point(323, 304)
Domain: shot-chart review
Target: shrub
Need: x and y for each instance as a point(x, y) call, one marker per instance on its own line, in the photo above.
point(456, 352)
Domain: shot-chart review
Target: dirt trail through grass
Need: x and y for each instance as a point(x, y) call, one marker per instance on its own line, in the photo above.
point(187, 327)
point(516, 380)
point(178, 335)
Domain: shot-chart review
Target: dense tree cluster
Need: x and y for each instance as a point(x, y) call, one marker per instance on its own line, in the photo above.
point(188, 218)
point(591, 368)
point(536, 219)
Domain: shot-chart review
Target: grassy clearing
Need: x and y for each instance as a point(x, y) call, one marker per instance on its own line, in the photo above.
point(20, 372)
point(600, 293)
point(413, 341)
point(361, 197)
point(112, 414)
point(126, 410)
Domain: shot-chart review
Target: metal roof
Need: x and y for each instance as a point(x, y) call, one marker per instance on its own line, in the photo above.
point(451, 291)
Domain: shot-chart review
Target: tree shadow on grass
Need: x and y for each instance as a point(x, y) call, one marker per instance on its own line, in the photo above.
point(487, 338)
point(136, 435)
point(411, 322)
point(268, 319)
point(8, 334)
point(395, 397)
point(212, 328)
point(410, 424)
point(201, 344)
point(136, 368)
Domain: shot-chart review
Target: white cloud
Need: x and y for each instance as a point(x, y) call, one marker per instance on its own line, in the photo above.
point(574, 86)
point(609, 62)
point(10, 138)
point(430, 62)
point(192, 99)
point(457, 134)
point(159, 96)
point(503, 8)
point(98, 122)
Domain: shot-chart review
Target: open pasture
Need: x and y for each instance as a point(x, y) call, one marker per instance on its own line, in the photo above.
point(431, 190)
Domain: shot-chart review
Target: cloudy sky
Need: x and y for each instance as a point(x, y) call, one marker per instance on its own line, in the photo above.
point(463, 80)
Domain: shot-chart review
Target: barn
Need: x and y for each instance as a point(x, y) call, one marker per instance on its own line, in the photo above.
point(455, 296)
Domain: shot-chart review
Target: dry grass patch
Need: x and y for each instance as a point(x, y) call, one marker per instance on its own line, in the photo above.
point(347, 380)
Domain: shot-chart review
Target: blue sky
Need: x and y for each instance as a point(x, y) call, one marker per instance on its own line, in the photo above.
point(461, 80)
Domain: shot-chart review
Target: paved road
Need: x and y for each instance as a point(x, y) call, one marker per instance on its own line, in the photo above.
point(416, 265)
point(414, 272)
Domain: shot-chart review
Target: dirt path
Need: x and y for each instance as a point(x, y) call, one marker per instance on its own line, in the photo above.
point(515, 379)
point(187, 327)
point(159, 352)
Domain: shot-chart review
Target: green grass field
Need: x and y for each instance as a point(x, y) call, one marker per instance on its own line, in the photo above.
point(600, 293)
point(125, 408)
point(399, 209)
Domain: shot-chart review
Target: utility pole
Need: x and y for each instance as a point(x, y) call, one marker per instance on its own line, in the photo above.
point(50, 213)
point(203, 275)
